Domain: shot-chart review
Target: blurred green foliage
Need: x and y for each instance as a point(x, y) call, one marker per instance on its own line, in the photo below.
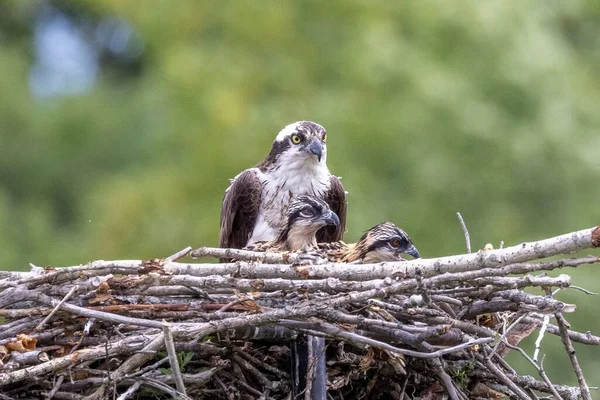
point(488, 108)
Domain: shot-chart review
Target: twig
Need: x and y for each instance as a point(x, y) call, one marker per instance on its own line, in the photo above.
point(332, 330)
point(245, 255)
point(123, 346)
point(224, 388)
point(505, 380)
point(538, 341)
point(165, 388)
point(585, 338)
point(170, 346)
point(583, 290)
point(465, 231)
point(56, 387)
point(130, 392)
point(444, 378)
point(281, 374)
point(151, 367)
point(60, 303)
point(500, 262)
point(539, 368)
point(506, 331)
point(42, 298)
point(562, 325)
point(179, 254)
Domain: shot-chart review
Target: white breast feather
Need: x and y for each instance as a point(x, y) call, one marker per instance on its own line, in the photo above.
point(297, 177)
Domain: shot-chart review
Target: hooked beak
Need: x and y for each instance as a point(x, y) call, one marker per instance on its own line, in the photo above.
point(412, 250)
point(330, 218)
point(316, 148)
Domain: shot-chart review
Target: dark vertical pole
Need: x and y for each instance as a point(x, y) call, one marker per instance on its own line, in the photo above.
point(309, 372)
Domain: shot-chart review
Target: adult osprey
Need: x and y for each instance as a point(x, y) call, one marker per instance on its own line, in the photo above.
point(383, 242)
point(255, 203)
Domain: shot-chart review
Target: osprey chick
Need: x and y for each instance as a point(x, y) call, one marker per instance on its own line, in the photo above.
point(255, 204)
point(383, 242)
point(304, 217)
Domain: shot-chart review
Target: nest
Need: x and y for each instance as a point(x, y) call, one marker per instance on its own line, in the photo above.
point(428, 328)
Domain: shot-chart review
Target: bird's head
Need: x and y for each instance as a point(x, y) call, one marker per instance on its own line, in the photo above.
point(305, 216)
point(385, 242)
point(301, 141)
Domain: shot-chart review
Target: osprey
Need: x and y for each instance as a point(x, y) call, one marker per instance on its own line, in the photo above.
point(255, 204)
point(304, 217)
point(383, 242)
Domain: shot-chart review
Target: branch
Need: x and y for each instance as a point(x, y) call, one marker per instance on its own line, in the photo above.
point(465, 231)
point(562, 325)
point(503, 261)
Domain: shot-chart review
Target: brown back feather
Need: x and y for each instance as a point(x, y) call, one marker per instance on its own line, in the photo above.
point(336, 199)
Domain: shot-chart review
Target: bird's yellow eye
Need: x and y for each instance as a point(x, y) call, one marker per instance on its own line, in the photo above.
point(324, 138)
point(296, 139)
point(395, 242)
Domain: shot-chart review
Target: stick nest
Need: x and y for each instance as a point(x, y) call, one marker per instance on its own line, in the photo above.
point(162, 329)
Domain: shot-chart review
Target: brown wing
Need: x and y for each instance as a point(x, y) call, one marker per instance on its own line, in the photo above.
point(336, 198)
point(239, 210)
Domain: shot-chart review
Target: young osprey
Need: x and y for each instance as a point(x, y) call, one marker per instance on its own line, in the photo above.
point(255, 203)
point(383, 242)
point(304, 217)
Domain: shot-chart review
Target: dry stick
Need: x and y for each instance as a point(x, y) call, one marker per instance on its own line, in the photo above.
point(56, 387)
point(365, 272)
point(563, 244)
point(506, 380)
point(179, 254)
point(165, 388)
point(281, 374)
point(133, 362)
point(322, 328)
point(119, 319)
point(589, 292)
point(562, 325)
point(233, 303)
point(494, 259)
point(60, 303)
point(465, 231)
point(243, 384)
point(129, 344)
point(404, 385)
point(170, 346)
point(538, 341)
point(130, 392)
point(262, 379)
point(148, 368)
point(539, 368)
point(224, 388)
point(579, 337)
point(246, 255)
point(507, 331)
point(331, 285)
point(444, 378)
